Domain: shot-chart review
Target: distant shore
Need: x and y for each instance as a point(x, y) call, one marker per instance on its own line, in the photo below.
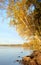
point(10, 44)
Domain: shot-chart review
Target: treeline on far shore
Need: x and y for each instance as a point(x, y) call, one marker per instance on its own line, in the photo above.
point(10, 44)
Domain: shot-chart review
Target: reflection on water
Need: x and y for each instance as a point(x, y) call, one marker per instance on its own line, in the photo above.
point(9, 55)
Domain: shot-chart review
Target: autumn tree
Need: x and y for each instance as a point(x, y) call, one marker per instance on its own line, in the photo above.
point(25, 15)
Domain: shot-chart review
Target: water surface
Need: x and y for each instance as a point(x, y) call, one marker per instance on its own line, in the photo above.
point(9, 55)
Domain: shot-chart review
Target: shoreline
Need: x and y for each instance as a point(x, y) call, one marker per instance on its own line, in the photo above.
point(33, 59)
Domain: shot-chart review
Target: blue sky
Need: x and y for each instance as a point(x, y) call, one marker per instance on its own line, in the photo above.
point(8, 35)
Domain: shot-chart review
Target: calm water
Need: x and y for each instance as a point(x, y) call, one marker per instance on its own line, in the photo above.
point(9, 55)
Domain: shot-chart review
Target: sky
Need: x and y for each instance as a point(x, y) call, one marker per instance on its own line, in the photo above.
point(8, 34)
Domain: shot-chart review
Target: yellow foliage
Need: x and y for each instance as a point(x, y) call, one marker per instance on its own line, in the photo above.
point(25, 22)
point(34, 44)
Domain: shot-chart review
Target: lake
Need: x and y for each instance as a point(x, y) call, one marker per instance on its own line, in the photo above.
point(9, 55)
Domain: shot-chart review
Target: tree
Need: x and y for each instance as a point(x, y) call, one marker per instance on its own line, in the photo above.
point(25, 15)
